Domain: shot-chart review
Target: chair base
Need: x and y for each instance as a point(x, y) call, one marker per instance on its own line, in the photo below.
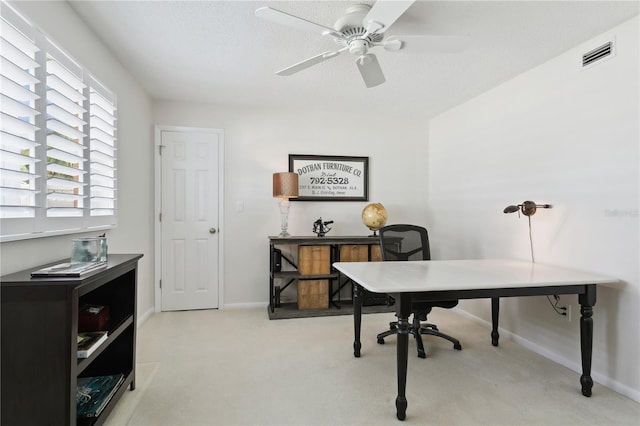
point(417, 330)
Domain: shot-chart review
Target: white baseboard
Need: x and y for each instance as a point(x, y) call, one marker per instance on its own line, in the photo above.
point(145, 316)
point(570, 364)
point(245, 305)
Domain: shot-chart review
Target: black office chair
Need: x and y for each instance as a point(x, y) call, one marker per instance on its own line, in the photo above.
point(411, 242)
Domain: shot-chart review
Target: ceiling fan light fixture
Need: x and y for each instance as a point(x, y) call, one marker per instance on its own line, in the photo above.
point(358, 47)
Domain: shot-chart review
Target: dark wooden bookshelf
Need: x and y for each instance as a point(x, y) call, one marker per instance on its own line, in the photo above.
point(40, 367)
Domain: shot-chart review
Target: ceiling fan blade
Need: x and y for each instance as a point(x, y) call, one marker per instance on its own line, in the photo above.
point(370, 70)
point(384, 13)
point(292, 21)
point(427, 43)
point(308, 63)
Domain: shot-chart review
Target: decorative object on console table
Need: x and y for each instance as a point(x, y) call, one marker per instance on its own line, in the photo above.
point(285, 186)
point(374, 217)
point(313, 260)
point(89, 250)
point(320, 228)
point(89, 341)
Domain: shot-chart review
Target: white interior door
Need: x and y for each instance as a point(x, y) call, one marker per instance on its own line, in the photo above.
point(189, 220)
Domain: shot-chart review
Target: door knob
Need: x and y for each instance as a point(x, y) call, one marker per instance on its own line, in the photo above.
point(212, 230)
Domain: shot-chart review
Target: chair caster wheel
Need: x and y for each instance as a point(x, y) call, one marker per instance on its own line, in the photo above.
point(380, 341)
point(457, 347)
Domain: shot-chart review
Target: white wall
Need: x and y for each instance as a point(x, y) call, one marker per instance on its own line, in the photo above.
point(257, 144)
point(567, 136)
point(134, 233)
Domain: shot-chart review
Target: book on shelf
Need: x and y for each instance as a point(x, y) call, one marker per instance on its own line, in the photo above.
point(89, 341)
point(94, 393)
point(68, 269)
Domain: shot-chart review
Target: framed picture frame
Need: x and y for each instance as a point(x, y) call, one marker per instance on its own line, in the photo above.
point(330, 177)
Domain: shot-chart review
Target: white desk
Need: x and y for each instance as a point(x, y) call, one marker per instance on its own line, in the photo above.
point(470, 279)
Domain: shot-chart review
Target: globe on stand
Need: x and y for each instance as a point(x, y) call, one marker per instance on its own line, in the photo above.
point(374, 217)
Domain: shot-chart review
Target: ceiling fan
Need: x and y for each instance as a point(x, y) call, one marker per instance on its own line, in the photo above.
point(361, 29)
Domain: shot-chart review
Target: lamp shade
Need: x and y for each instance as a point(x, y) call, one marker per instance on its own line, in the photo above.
point(285, 185)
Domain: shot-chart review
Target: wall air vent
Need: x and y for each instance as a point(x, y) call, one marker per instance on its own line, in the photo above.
point(597, 54)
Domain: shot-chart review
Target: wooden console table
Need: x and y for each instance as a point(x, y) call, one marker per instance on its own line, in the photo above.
point(345, 249)
point(40, 367)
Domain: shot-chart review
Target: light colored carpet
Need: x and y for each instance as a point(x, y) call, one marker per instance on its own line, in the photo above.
point(236, 367)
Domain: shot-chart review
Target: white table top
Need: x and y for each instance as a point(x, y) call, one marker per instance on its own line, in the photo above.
point(443, 275)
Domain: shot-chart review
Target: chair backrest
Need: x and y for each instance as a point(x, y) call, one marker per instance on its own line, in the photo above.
point(404, 242)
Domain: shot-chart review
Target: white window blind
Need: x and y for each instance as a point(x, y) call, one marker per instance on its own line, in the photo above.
point(18, 120)
point(65, 135)
point(58, 160)
point(103, 137)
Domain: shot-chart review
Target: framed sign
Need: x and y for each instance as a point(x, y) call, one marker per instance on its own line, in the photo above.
point(330, 178)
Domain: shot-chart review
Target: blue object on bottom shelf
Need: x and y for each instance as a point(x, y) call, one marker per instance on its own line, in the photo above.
point(94, 393)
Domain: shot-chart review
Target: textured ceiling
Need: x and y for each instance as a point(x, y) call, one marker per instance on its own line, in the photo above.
point(219, 52)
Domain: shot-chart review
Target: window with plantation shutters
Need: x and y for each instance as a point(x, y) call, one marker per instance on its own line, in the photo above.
point(58, 160)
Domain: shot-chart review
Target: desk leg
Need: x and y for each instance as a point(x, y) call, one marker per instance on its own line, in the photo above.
point(403, 311)
point(357, 318)
point(495, 312)
point(587, 301)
